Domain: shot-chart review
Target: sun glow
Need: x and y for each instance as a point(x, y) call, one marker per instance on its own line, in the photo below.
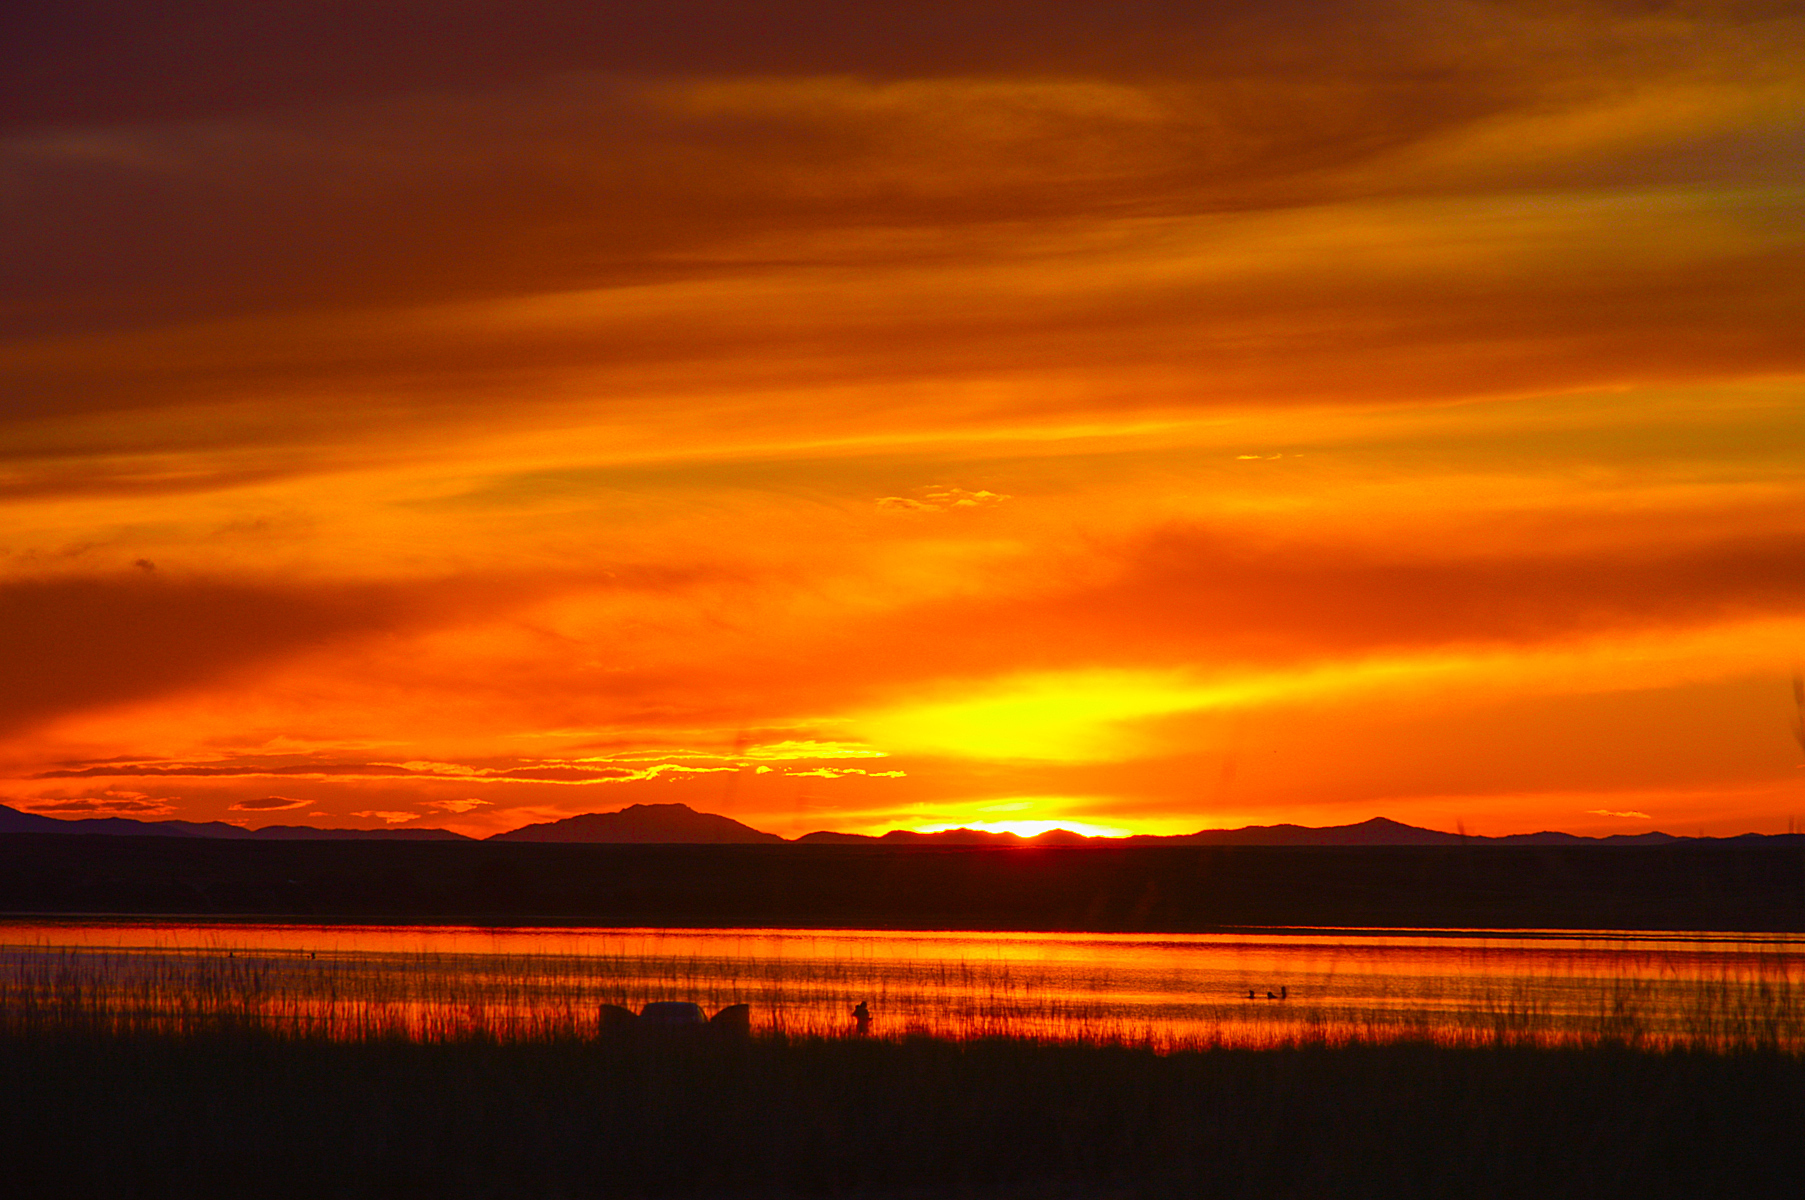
point(1067, 716)
point(1024, 816)
point(1030, 829)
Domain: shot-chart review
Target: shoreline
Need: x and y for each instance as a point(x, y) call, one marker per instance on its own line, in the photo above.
point(574, 925)
point(1681, 888)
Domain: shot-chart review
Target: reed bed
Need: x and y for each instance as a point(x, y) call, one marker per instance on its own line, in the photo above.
point(230, 1074)
point(233, 1112)
point(1758, 1003)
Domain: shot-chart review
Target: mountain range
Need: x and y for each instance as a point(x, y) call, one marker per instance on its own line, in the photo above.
point(14, 821)
point(1378, 831)
point(678, 823)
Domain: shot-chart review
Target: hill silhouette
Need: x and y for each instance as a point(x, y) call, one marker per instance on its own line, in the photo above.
point(668, 823)
point(1378, 831)
point(14, 821)
point(681, 824)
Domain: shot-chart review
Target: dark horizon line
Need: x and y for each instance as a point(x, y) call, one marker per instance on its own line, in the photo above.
point(634, 820)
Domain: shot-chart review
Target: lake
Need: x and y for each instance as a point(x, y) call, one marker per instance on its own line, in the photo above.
point(1250, 987)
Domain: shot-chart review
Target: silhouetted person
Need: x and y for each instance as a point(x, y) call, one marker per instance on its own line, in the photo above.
point(861, 1017)
point(1284, 993)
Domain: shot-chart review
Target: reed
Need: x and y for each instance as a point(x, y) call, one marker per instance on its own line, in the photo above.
point(228, 1074)
point(236, 1111)
point(438, 997)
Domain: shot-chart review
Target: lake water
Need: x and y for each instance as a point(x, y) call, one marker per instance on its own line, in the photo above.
point(1256, 987)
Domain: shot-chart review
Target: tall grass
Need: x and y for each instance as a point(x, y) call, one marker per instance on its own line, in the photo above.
point(233, 1074)
point(426, 996)
point(234, 1112)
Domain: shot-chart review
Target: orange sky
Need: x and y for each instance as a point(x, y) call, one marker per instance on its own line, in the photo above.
point(1134, 416)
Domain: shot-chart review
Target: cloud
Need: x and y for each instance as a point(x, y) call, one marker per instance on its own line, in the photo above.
point(458, 806)
point(135, 808)
point(810, 749)
point(1605, 812)
point(70, 642)
point(579, 164)
point(73, 643)
point(942, 499)
point(391, 818)
point(1191, 591)
point(553, 771)
point(268, 804)
point(228, 769)
point(106, 802)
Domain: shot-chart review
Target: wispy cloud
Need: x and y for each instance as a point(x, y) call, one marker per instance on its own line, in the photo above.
point(459, 806)
point(268, 804)
point(803, 749)
point(103, 803)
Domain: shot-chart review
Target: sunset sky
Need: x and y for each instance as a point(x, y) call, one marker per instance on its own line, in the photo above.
point(1131, 416)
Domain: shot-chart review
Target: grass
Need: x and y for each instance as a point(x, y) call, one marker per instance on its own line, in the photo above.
point(175, 1075)
point(241, 1112)
point(1746, 1001)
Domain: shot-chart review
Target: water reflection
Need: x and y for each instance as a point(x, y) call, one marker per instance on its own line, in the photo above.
point(1170, 990)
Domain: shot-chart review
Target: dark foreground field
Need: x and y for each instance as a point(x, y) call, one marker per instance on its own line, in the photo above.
point(243, 1114)
point(1708, 886)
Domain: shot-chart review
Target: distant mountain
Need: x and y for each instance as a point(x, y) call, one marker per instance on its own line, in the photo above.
point(14, 821)
point(307, 833)
point(1379, 831)
point(680, 823)
point(1382, 831)
point(954, 837)
point(1550, 838)
point(641, 823)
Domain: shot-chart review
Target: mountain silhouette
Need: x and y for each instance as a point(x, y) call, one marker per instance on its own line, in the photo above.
point(679, 823)
point(952, 837)
point(1378, 831)
point(291, 833)
point(641, 823)
point(14, 821)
